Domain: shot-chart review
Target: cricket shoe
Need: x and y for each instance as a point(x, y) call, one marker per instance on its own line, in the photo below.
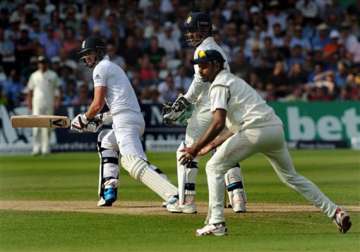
point(177, 208)
point(342, 220)
point(218, 229)
point(108, 198)
point(239, 201)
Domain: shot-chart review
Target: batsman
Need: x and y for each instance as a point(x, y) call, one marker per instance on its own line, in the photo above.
point(112, 86)
point(198, 34)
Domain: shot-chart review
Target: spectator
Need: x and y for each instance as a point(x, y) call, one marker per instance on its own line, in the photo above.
point(114, 57)
point(297, 75)
point(148, 74)
point(131, 53)
point(280, 80)
point(24, 49)
point(50, 42)
point(168, 42)
point(321, 38)
point(7, 52)
point(156, 53)
point(333, 46)
point(70, 44)
point(167, 90)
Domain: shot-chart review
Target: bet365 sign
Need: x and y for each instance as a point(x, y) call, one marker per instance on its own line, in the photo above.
point(324, 121)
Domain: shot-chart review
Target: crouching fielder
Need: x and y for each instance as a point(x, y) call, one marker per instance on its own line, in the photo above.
point(111, 86)
point(254, 128)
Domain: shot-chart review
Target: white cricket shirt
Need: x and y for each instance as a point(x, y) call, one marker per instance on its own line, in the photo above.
point(120, 95)
point(45, 86)
point(245, 107)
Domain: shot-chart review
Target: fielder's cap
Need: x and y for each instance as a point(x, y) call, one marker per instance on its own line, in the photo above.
point(208, 56)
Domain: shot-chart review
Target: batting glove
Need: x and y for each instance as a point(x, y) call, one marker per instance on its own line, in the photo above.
point(94, 124)
point(79, 123)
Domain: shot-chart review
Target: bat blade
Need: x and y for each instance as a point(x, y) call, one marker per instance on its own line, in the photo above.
point(40, 121)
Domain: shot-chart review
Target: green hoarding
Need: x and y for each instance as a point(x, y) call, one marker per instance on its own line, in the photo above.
point(320, 121)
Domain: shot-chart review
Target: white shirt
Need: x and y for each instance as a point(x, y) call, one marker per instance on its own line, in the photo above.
point(120, 96)
point(245, 107)
point(198, 90)
point(45, 86)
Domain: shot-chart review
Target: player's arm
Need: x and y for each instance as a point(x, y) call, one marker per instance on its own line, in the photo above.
point(87, 122)
point(215, 128)
point(222, 137)
point(29, 93)
point(97, 103)
point(195, 89)
point(219, 97)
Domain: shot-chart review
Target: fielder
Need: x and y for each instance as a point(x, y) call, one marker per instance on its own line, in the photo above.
point(198, 33)
point(111, 86)
point(43, 96)
point(253, 128)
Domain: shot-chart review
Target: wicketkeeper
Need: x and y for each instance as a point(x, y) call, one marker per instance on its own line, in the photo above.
point(194, 109)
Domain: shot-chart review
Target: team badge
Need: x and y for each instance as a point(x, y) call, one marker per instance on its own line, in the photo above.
point(201, 54)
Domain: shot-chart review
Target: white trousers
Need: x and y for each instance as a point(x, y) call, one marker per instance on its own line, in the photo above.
point(41, 136)
point(271, 142)
point(125, 136)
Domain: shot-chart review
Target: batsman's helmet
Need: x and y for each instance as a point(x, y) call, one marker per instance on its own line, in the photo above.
point(92, 44)
point(197, 27)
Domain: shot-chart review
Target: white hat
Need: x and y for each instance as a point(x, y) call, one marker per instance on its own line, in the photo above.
point(254, 9)
point(168, 24)
point(334, 34)
point(322, 27)
point(14, 18)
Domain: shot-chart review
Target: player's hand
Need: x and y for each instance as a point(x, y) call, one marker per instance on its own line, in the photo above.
point(166, 109)
point(188, 156)
point(79, 123)
point(94, 124)
point(176, 111)
point(205, 150)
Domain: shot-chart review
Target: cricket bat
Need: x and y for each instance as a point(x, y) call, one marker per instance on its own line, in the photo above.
point(40, 121)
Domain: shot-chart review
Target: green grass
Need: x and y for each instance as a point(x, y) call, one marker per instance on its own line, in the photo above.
point(73, 177)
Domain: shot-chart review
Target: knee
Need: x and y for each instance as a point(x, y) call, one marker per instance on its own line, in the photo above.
point(216, 166)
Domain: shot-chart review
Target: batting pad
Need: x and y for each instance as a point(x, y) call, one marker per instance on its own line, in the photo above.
point(140, 170)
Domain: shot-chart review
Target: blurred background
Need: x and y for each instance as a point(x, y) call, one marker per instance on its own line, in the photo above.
point(302, 56)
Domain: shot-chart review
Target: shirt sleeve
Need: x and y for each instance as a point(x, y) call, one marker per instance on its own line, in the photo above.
point(99, 76)
point(219, 96)
point(195, 89)
point(30, 84)
point(56, 85)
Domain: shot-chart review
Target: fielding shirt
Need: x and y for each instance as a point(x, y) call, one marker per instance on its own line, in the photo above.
point(245, 107)
point(120, 95)
point(198, 90)
point(45, 86)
